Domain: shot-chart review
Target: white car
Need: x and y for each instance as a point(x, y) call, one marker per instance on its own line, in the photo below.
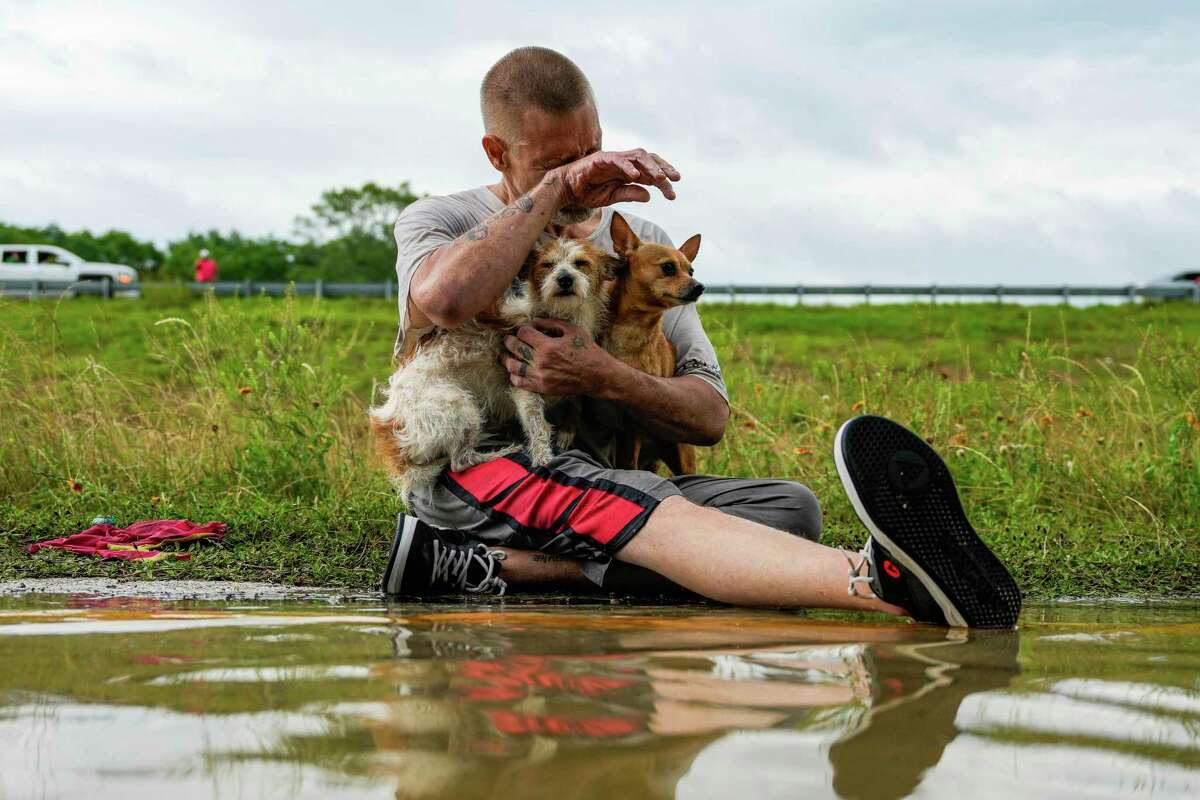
point(46, 262)
point(1174, 283)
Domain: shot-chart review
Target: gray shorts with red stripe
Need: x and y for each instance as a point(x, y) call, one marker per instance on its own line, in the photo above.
point(575, 506)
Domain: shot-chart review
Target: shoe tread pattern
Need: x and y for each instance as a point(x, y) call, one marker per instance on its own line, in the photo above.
point(930, 527)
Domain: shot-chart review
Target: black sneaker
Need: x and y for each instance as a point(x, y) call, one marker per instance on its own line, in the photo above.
point(428, 562)
point(923, 554)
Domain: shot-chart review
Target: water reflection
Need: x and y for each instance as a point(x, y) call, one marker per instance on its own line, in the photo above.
point(636, 716)
point(422, 702)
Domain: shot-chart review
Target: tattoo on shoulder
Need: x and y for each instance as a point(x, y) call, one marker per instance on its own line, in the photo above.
point(577, 342)
point(525, 203)
point(478, 233)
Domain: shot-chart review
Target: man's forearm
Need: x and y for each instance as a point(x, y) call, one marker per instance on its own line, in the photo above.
point(459, 280)
point(677, 409)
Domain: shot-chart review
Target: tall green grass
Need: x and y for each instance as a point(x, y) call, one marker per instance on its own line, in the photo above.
point(216, 411)
point(1073, 433)
point(1074, 437)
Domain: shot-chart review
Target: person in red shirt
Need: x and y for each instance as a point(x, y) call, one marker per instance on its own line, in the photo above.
point(206, 268)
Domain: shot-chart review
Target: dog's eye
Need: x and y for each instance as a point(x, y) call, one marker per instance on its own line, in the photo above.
point(669, 268)
point(581, 262)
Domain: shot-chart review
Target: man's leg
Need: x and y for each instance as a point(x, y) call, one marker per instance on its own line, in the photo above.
point(547, 523)
point(923, 557)
point(780, 504)
point(533, 568)
point(507, 489)
point(717, 555)
point(742, 562)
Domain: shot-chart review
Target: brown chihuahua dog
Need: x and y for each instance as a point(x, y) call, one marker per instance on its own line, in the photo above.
point(650, 280)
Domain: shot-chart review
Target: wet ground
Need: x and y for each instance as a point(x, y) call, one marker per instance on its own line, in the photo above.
point(104, 696)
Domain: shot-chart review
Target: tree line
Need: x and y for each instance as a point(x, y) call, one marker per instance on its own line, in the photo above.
point(345, 236)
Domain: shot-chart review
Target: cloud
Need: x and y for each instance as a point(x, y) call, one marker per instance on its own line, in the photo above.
point(819, 142)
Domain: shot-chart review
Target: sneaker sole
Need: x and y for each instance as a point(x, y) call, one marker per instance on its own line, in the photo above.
point(406, 527)
point(918, 517)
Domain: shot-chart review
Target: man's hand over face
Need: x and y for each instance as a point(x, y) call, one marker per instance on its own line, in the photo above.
point(556, 358)
point(604, 178)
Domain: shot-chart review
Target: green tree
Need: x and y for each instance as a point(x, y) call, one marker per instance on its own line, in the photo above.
point(351, 229)
point(238, 257)
point(346, 236)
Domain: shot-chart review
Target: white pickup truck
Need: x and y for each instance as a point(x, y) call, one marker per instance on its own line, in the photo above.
point(46, 262)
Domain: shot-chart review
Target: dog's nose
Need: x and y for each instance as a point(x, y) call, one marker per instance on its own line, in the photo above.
point(696, 290)
point(565, 281)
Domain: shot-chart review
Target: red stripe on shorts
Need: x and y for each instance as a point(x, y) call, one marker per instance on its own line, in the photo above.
point(485, 481)
point(538, 502)
point(601, 515)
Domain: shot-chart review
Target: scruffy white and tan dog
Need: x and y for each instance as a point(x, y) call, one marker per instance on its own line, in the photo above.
point(452, 388)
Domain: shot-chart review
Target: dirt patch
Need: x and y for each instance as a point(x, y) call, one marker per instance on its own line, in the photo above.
point(182, 590)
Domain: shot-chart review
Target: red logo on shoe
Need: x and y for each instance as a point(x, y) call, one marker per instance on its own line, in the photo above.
point(891, 569)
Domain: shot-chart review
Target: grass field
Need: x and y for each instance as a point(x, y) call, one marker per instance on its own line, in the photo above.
point(1073, 432)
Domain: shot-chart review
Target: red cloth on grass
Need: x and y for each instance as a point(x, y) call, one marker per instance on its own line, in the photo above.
point(140, 540)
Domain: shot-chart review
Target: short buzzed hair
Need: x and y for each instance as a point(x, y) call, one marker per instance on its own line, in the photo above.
point(530, 76)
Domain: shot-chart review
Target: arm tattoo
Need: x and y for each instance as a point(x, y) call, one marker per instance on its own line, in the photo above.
point(545, 558)
point(480, 231)
point(577, 342)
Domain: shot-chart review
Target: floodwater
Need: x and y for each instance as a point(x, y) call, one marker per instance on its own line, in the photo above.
point(130, 698)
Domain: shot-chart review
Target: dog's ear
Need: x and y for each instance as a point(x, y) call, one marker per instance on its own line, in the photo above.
point(625, 241)
point(691, 248)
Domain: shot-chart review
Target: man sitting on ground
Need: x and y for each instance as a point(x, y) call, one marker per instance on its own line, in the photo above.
point(749, 542)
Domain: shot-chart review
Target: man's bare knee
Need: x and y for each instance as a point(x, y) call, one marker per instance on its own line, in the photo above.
point(659, 529)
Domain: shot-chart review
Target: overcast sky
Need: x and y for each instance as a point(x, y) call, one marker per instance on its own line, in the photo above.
point(837, 142)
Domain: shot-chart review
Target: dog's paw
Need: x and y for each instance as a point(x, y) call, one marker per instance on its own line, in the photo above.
point(563, 439)
point(467, 459)
point(472, 458)
point(540, 454)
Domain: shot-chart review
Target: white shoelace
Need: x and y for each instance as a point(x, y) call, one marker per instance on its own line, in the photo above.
point(452, 562)
point(864, 557)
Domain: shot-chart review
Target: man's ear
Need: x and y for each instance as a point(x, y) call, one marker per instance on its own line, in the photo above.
point(496, 151)
point(691, 248)
point(624, 239)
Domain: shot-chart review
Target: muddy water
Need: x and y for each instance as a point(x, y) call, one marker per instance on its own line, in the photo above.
point(118, 697)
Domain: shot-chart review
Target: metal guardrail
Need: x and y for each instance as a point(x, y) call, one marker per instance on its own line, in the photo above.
point(52, 289)
point(387, 290)
point(997, 292)
point(107, 289)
